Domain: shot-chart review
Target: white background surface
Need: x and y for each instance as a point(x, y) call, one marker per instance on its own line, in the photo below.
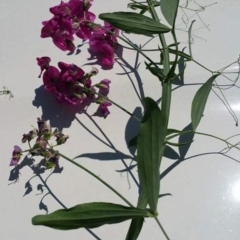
point(205, 190)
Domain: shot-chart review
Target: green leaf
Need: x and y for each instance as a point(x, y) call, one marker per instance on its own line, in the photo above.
point(150, 146)
point(89, 215)
point(135, 6)
point(136, 225)
point(200, 100)
point(171, 131)
point(158, 72)
point(134, 23)
point(179, 144)
point(181, 54)
point(169, 10)
point(135, 228)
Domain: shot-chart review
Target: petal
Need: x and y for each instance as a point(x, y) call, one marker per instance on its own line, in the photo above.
point(17, 149)
point(14, 162)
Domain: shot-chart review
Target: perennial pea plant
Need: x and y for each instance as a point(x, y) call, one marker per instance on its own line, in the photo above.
point(72, 85)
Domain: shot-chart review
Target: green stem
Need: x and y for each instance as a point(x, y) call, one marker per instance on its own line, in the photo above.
point(203, 66)
point(218, 138)
point(161, 227)
point(98, 178)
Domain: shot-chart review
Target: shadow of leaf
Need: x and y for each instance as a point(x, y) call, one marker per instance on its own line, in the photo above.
point(42, 206)
point(184, 139)
point(105, 156)
point(28, 187)
point(170, 153)
point(132, 128)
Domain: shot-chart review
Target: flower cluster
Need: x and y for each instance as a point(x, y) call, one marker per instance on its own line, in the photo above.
point(103, 44)
point(72, 85)
point(74, 18)
point(41, 147)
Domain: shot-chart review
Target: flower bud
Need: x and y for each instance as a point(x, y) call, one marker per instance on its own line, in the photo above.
point(60, 137)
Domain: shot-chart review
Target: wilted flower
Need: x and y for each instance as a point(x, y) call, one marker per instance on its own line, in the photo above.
point(52, 161)
point(60, 137)
point(44, 129)
point(31, 135)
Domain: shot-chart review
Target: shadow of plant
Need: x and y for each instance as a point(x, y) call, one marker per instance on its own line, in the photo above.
point(59, 115)
point(38, 170)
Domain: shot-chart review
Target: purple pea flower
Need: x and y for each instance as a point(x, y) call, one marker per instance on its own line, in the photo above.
point(70, 72)
point(43, 63)
point(103, 107)
point(16, 155)
point(103, 87)
point(103, 44)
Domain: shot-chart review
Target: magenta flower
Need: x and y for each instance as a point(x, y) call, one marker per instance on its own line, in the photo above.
point(103, 44)
point(64, 41)
point(70, 84)
point(61, 32)
point(16, 155)
point(67, 83)
point(103, 87)
point(62, 10)
point(49, 28)
point(43, 63)
point(70, 72)
point(84, 29)
point(103, 107)
point(69, 19)
point(50, 79)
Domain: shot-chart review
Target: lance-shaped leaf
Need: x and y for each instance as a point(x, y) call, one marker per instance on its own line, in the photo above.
point(200, 100)
point(137, 223)
point(169, 10)
point(158, 72)
point(134, 23)
point(135, 228)
point(149, 146)
point(89, 215)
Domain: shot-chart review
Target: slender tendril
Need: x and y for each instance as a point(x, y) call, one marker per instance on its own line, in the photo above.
point(207, 135)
